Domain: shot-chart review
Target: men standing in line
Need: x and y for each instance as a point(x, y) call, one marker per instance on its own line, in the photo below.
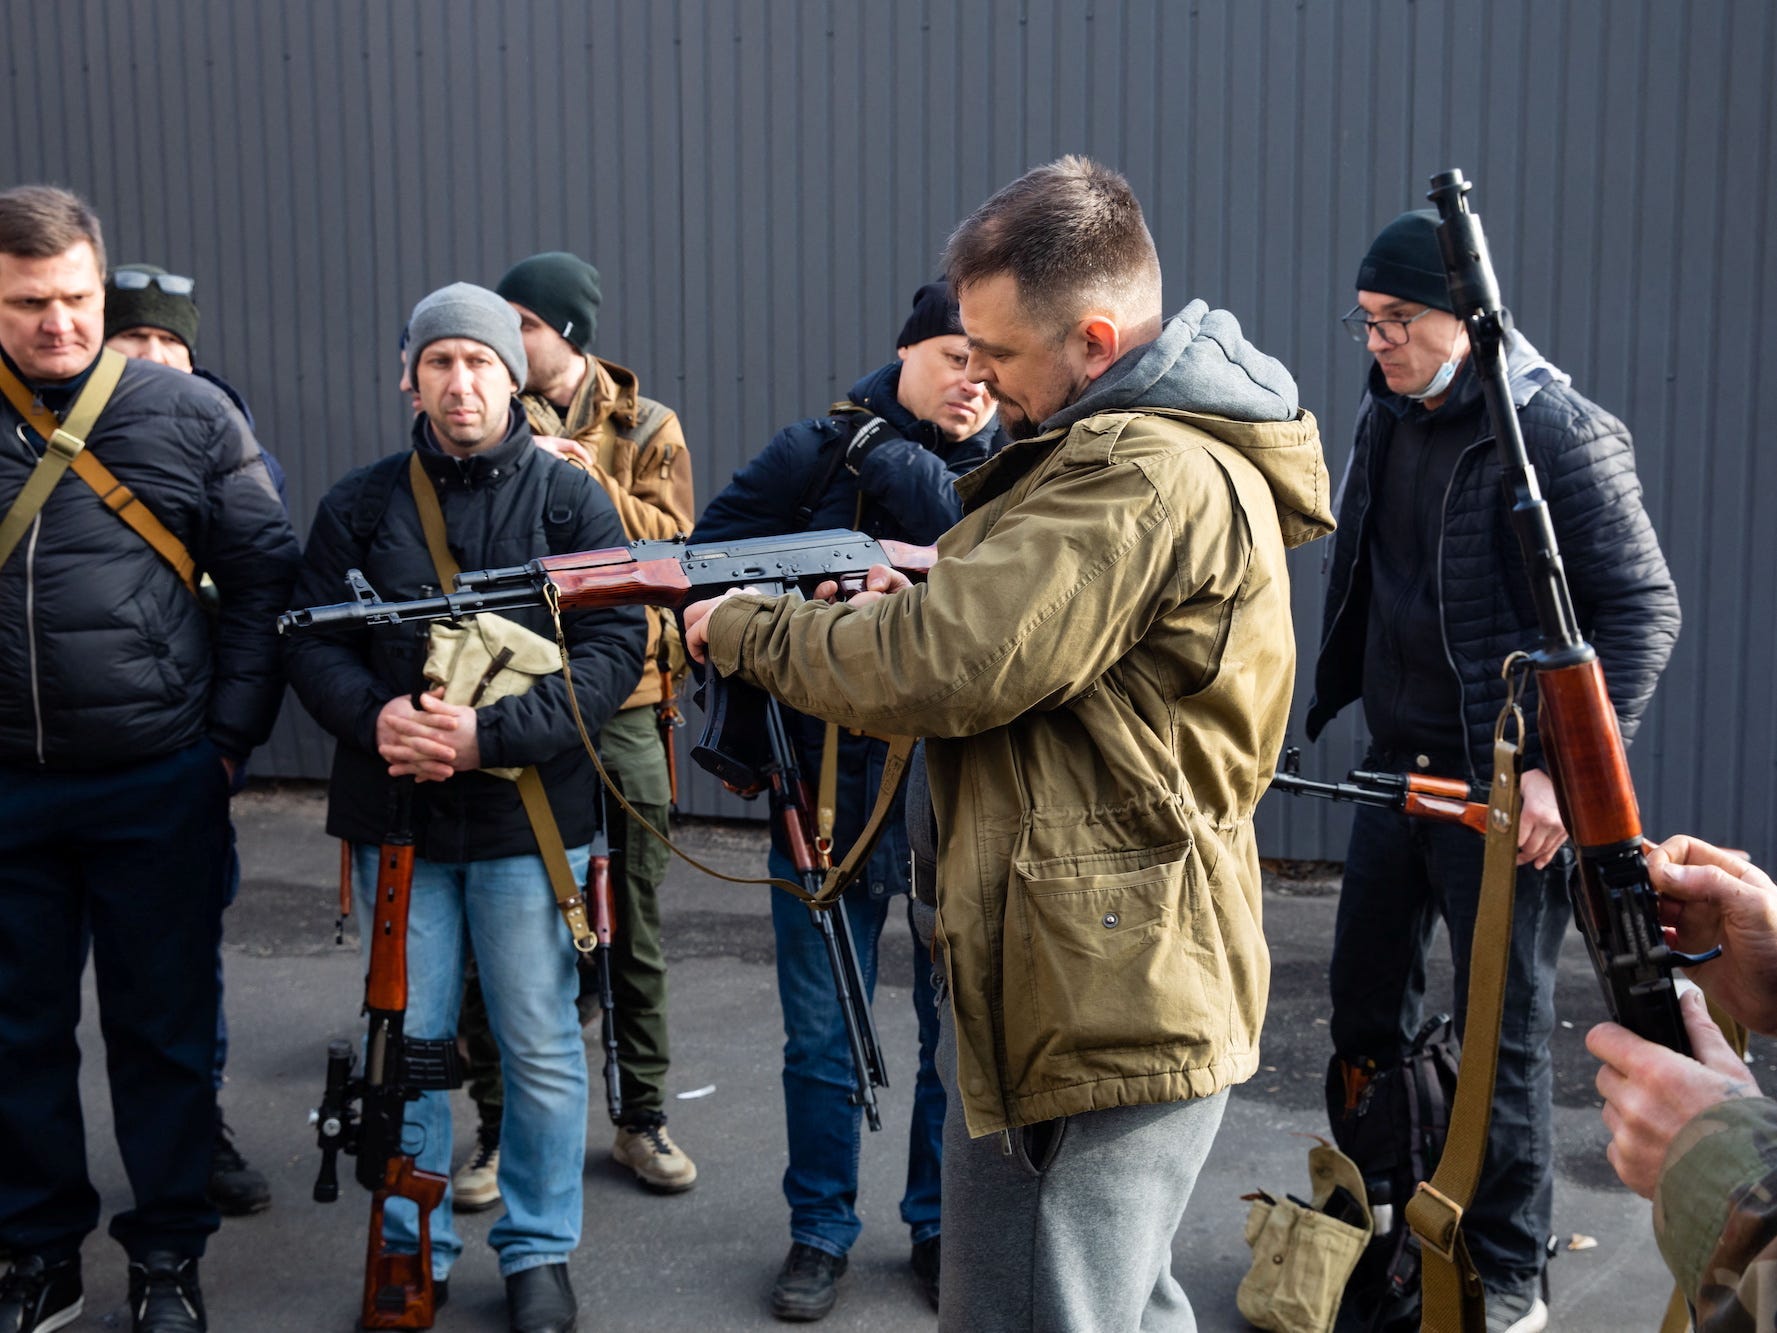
point(1426, 598)
point(125, 713)
point(1100, 661)
point(478, 873)
point(884, 462)
point(589, 411)
point(152, 314)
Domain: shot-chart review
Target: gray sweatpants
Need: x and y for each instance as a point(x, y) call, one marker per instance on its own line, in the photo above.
point(1069, 1227)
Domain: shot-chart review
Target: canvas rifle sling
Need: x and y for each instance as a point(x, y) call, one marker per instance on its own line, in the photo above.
point(66, 449)
point(568, 896)
point(1453, 1299)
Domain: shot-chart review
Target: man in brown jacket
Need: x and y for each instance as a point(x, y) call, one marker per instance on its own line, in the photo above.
point(1101, 661)
point(587, 410)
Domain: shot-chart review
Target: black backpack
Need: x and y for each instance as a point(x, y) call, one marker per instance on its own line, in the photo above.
point(1392, 1123)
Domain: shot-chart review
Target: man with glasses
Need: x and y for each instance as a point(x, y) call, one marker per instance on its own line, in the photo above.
point(152, 315)
point(1426, 598)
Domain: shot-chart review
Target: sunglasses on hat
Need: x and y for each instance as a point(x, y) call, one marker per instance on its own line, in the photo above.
point(133, 280)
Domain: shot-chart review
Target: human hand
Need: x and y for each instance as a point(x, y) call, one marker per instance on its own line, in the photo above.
point(697, 628)
point(569, 451)
point(1710, 897)
point(229, 769)
point(1540, 831)
point(1651, 1092)
point(879, 582)
point(429, 743)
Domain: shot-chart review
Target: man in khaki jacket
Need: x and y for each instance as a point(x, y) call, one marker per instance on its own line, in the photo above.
point(1101, 660)
point(588, 411)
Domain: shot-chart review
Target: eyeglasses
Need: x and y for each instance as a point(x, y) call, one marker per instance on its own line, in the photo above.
point(134, 280)
point(1394, 331)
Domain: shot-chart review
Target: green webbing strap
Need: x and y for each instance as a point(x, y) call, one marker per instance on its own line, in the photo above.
point(65, 440)
point(547, 832)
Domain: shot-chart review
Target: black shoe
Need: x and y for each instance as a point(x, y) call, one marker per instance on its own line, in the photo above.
point(925, 1267)
point(539, 1300)
point(163, 1295)
point(807, 1285)
point(235, 1188)
point(36, 1297)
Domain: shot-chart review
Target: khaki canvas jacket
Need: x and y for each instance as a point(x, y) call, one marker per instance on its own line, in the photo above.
point(640, 458)
point(1102, 659)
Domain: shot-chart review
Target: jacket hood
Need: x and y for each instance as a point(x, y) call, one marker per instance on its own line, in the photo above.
point(1202, 370)
point(1201, 362)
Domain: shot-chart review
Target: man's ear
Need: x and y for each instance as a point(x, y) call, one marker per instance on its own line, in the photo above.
point(902, 352)
point(1103, 342)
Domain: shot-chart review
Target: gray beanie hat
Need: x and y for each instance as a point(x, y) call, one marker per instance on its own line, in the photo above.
point(463, 310)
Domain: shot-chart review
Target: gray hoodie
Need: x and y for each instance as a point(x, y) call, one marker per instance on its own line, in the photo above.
point(1201, 362)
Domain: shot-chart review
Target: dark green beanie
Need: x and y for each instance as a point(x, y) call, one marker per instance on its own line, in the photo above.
point(561, 289)
point(135, 307)
point(1404, 262)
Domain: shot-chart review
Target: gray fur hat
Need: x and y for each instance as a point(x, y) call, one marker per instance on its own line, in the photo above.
point(463, 310)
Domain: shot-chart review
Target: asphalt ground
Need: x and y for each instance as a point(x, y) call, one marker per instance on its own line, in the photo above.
point(703, 1261)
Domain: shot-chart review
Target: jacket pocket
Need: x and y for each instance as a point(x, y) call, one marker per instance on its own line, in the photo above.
point(1104, 953)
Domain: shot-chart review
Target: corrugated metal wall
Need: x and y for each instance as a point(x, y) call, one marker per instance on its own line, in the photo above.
point(764, 182)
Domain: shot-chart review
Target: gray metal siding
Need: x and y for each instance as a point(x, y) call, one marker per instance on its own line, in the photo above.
point(762, 184)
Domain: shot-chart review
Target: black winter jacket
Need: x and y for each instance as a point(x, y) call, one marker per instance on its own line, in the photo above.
point(105, 657)
point(494, 513)
point(909, 494)
point(1622, 592)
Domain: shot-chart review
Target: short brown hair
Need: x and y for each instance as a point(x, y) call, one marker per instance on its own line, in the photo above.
point(1071, 235)
point(42, 221)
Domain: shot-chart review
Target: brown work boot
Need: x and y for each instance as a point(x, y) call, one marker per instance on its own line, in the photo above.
point(659, 1163)
point(476, 1185)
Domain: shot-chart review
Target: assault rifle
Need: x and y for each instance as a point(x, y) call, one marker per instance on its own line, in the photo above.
point(398, 1289)
point(1450, 800)
point(1613, 901)
point(744, 740)
point(604, 928)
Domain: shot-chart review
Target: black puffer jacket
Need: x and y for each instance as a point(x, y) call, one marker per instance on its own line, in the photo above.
point(1622, 592)
point(105, 657)
point(494, 513)
point(907, 486)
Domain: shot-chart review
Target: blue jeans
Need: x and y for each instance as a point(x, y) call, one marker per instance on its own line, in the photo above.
point(230, 891)
point(823, 1129)
point(529, 980)
point(1401, 876)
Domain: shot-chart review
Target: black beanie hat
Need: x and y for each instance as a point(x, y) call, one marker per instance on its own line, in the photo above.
point(1404, 261)
point(934, 315)
point(561, 289)
point(149, 306)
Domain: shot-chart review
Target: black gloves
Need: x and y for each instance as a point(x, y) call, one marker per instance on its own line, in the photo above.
point(872, 433)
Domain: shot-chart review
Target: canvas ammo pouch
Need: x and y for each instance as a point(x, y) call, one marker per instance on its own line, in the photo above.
point(1303, 1252)
point(485, 659)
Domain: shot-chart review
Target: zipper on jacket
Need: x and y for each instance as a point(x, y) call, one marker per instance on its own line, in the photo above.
point(1356, 555)
point(31, 630)
point(1443, 631)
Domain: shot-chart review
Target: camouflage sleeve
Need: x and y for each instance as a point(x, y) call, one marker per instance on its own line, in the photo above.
point(1715, 1215)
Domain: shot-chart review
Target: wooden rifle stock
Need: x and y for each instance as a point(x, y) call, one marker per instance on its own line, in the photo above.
point(604, 930)
point(1614, 901)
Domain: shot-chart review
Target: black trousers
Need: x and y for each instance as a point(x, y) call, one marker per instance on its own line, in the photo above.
point(133, 859)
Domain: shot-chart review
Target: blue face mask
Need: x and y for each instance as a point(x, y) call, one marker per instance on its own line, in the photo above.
point(1438, 382)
